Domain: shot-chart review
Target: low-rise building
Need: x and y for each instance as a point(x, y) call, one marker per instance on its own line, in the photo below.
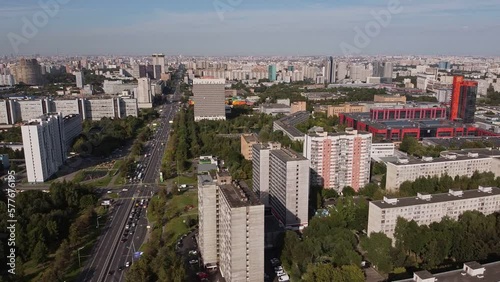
point(288, 124)
point(382, 150)
point(335, 110)
point(425, 209)
point(400, 170)
point(389, 99)
point(470, 271)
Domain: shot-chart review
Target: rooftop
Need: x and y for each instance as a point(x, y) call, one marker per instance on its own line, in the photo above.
point(450, 157)
point(292, 130)
point(288, 155)
point(436, 198)
point(491, 274)
point(206, 179)
point(251, 138)
point(239, 195)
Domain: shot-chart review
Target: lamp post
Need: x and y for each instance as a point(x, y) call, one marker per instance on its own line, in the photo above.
point(79, 261)
point(97, 221)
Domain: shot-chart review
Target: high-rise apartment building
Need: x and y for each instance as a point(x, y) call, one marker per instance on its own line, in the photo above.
point(144, 93)
point(289, 188)
point(272, 73)
point(463, 100)
point(79, 79)
point(331, 70)
point(28, 71)
point(44, 146)
point(247, 141)
point(260, 169)
point(231, 228)
point(425, 209)
point(158, 65)
point(209, 99)
point(339, 159)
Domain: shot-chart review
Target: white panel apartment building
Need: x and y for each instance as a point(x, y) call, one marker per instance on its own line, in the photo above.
point(209, 99)
point(339, 159)
point(31, 109)
point(426, 209)
point(144, 94)
point(231, 228)
point(260, 169)
point(44, 148)
point(289, 188)
point(401, 170)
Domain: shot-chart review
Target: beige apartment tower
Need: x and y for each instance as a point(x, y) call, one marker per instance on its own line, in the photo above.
point(247, 141)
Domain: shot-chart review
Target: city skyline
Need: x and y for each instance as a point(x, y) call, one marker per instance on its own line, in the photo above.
point(206, 28)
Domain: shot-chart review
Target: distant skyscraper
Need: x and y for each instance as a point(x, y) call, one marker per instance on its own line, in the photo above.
point(463, 100)
point(44, 147)
point(28, 71)
point(158, 60)
point(378, 69)
point(388, 69)
point(144, 94)
point(209, 99)
point(331, 71)
point(79, 79)
point(444, 65)
point(272, 73)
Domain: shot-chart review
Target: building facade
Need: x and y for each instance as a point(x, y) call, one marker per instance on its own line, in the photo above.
point(401, 170)
point(144, 94)
point(260, 169)
point(272, 73)
point(289, 188)
point(231, 228)
point(209, 100)
point(44, 147)
point(426, 209)
point(463, 100)
point(339, 159)
point(346, 108)
point(247, 141)
point(28, 71)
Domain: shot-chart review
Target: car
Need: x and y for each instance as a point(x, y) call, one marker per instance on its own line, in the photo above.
point(278, 268)
point(123, 240)
point(193, 261)
point(275, 261)
point(193, 252)
point(280, 273)
point(127, 264)
point(111, 272)
point(283, 278)
point(127, 226)
point(120, 268)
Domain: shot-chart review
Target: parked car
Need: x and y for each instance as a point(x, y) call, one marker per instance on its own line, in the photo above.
point(193, 261)
point(127, 264)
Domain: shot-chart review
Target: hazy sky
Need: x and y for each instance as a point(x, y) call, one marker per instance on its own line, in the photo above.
point(250, 27)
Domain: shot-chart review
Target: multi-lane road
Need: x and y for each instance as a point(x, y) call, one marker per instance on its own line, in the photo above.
point(112, 252)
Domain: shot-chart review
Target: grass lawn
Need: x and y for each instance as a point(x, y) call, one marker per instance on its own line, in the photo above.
point(185, 180)
point(175, 228)
point(118, 163)
point(102, 182)
point(179, 202)
point(79, 176)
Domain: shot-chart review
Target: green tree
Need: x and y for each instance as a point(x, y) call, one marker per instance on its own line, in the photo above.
point(378, 247)
point(40, 252)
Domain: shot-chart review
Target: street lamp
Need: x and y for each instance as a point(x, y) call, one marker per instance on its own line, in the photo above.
point(79, 262)
point(97, 219)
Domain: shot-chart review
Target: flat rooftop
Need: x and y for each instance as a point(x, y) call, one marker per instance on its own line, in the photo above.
point(461, 141)
point(491, 274)
point(415, 161)
point(239, 196)
point(436, 198)
point(251, 138)
point(292, 130)
point(206, 179)
point(287, 155)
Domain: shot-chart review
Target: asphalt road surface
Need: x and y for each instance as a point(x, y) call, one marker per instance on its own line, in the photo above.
point(111, 251)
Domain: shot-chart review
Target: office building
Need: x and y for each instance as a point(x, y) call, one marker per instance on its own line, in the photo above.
point(300, 106)
point(331, 71)
point(400, 170)
point(144, 94)
point(289, 188)
point(272, 73)
point(28, 71)
point(339, 159)
point(444, 65)
point(231, 227)
point(388, 69)
point(260, 169)
point(425, 209)
point(44, 148)
point(247, 141)
point(209, 100)
point(463, 100)
point(158, 65)
point(79, 79)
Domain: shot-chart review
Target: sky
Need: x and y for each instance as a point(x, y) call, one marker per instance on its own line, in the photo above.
point(250, 27)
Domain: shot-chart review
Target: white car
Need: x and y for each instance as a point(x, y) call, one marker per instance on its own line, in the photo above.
point(278, 268)
point(127, 264)
point(284, 278)
point(280, 273)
